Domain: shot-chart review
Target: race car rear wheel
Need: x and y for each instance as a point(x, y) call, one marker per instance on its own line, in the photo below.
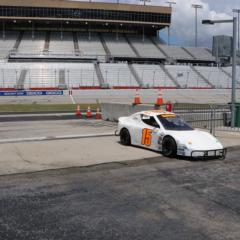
point(125, 137)
point(169, 147)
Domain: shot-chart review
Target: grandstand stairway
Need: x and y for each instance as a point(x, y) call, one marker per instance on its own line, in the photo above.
point(202, 77)
point(158, 47)
point(189, 53)
point(135, 74)
point(100, 76)
point(225, 72)
point(104, 45)
point(170, 76)
point(131, 45)
point(47, 42)
point(18, 41)
point(62, 79)
point(75, 43)
point(21, 80)
point(228, 74)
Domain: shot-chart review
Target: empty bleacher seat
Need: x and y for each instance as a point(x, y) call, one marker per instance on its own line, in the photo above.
point(61, 43)
point(185, 76)
point(82, 75)
point(218, 78)
point(145, 47)
point(32, 44)
point(175, 52)
point(7, 43)
point(118, 75)
point(90, 44)
point(201, 54)
point(153, 75)
point(118, 45)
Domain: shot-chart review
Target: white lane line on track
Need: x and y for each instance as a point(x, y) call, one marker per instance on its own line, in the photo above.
point(51, 138)
point(73, 101)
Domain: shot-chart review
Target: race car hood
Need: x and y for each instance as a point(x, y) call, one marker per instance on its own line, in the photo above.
point(196, 140)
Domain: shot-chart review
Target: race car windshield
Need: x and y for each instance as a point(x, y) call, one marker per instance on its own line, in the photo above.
point(174, 123)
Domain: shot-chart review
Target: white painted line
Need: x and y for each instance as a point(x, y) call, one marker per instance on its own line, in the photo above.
point(51, 138)
point(73, 101)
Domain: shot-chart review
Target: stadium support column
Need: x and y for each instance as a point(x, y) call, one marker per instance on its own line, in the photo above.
point(143, 34)
point(170, 5)
point(3, 30)
point(196, 6)
point(234, 58)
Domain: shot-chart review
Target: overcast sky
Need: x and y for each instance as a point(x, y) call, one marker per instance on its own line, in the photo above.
point(183, 22)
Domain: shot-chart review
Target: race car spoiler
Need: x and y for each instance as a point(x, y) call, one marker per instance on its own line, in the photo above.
point(220, 153)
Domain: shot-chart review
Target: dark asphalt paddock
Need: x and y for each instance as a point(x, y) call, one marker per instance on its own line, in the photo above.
point(146, 199)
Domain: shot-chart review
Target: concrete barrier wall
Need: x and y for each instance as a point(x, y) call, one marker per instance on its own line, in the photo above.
point(113, 111)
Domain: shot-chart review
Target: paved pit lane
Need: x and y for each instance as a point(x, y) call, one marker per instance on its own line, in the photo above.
point(146, 199)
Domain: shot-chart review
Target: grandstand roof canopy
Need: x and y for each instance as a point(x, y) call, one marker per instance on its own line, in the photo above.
point(86, 5)
point(92, 12)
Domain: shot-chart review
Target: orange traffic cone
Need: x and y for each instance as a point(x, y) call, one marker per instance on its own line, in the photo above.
point(78, 111)
point(88, 113)
point(98, 114)
point(137, 99)
point(159, 99)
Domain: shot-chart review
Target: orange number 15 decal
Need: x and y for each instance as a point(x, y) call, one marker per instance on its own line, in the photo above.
point(146, 137)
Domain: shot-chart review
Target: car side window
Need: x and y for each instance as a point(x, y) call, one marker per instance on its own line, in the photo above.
point(149, 120)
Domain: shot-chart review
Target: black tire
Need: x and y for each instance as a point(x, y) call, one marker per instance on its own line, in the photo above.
point(125, 137)
point(169, 147)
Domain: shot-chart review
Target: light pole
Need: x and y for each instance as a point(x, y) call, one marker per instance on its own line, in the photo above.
point(144, 1)
point(238, 13)
point(170, 5)
point(196, 6)
point(234, 56)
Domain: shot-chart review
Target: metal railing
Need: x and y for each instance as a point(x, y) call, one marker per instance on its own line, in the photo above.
point(210, 117)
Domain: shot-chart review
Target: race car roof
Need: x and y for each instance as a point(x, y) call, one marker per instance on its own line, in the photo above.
point(158, 112)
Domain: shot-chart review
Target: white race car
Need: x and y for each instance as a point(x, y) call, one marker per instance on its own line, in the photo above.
point(167, 133)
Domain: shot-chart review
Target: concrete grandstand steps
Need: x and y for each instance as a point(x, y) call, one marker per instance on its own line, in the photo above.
point(153, 76)
point(228, 72)
point(118, 45)
point(202, 76)
point(108, 53)
point(18, 41)
point(170, 75)
point(118, 75)
point(188, 52)
point(186, 77)
point(152, 39)
point(131, 45)
point(75, 42)
point(21, 80)
point(136, 76)
point(62, 79)
point(201, 54)
point(225, 72)
point(32, 44)
point(100, 76)
point(47, 42)
point(215, 76)
point(145, 47)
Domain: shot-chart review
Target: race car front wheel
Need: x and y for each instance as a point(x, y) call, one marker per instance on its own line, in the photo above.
point(169, 147)
point(125, 137)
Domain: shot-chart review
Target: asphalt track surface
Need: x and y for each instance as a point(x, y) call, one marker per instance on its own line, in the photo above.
point(158, 198)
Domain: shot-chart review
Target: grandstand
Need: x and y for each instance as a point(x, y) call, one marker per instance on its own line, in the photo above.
point(88, 45)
